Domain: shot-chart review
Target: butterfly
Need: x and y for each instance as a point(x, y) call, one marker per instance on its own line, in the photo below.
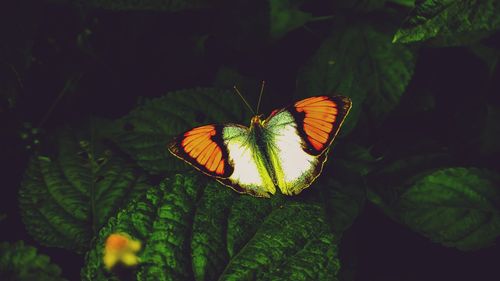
point(284, 151)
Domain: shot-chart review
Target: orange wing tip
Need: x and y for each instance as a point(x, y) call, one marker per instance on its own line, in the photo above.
point(321, 118)
point(310, 100)
point(197, 148)
point(201, 130)
point(120, 248)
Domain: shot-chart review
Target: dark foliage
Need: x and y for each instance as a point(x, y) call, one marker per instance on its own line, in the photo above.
point(92, 91)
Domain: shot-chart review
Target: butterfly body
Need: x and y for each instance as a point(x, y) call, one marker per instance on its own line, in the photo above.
point(283, 153)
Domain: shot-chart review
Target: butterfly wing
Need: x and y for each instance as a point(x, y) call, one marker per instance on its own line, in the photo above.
point(229, 154)
point(298, 138)
point(202, 148)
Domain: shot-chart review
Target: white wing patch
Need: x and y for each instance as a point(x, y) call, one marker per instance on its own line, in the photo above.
point(295, 169)
point(249, 170)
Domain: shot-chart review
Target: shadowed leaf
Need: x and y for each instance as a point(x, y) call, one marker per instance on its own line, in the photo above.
point(450, 22)
point(344, 192)
point(457, 207)
point(285, 17)
point(22, 263)
point(145, 132)
point(354, 53)
point(66, 198)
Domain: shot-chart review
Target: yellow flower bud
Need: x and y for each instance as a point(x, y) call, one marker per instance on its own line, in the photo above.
point(121, 248)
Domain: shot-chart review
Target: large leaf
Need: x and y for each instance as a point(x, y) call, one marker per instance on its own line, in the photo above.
point(145, 131)
point(344, 192)
point(359, 61)
point(286, 16)
point(457, 207)
point(67, 197)
point(450, 22)
point(22, 263)
point(194, 230)
point(387, 181)
point(343, 202)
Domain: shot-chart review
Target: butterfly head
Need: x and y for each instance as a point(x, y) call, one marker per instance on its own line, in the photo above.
point(257, 121)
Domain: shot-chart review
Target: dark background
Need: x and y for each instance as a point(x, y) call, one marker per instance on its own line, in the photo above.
point(112, 58)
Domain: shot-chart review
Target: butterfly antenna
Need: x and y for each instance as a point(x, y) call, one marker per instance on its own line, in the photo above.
point(244, 100)
point(260, 95)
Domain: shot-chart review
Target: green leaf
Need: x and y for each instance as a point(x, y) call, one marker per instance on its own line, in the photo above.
point(66, 198)
point(243, 221)
point(208, 242)
point(387, 181)
point(285, 249)
point(457, 207)
point(22, 263)
point(359, 61)
point(145, 132)
point(352, 158)
point(344, 192)
point(450, 22)
point(343, 202)
point(194, 230)
point(285, 17)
